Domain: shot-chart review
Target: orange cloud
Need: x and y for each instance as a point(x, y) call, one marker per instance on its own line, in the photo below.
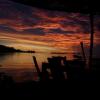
point(57, 29)
point(59, 41)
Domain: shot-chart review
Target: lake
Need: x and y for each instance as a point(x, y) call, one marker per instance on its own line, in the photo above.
point(21, 66)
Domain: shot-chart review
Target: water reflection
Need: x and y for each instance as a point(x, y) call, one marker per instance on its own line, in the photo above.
point(24, 60)
point(21, 66)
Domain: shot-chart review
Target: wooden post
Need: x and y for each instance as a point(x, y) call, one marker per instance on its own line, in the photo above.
point(83, 52)
point(37, 67)
point(91, 39)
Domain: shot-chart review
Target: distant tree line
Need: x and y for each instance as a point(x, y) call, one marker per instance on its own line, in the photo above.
point(11, 49)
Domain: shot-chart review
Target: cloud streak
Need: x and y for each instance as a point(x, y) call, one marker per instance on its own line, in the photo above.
point(23, 26)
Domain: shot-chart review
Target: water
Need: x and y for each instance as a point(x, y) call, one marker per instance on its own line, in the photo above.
point(21, 66)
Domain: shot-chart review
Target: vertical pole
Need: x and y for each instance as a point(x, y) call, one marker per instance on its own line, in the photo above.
point(83, 52)
point(91, 39)
point(37, 67)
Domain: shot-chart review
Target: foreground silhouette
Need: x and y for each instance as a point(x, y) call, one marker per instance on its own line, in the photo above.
point(57, 72)
point(58, 68)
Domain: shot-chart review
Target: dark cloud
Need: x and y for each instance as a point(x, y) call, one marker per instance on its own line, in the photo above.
point(60, 31)
point(37, 31)
point(97, 22)
point(18, 17)
point(85, 25)
point(10, 9)
point(82, 24)
point(7, 29)
point(96, 50)
point(97, 26)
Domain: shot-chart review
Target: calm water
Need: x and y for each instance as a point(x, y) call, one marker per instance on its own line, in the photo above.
point(21, 66)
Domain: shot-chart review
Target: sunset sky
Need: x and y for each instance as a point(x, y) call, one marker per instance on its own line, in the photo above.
point(30, 28)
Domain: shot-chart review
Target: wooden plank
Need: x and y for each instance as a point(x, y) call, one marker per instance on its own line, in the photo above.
point(36, 66)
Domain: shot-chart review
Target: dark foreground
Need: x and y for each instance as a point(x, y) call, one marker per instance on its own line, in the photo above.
point(58, 75)
point(49, 89)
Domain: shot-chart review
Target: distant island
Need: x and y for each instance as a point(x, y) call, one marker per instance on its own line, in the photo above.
point(6, 49)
